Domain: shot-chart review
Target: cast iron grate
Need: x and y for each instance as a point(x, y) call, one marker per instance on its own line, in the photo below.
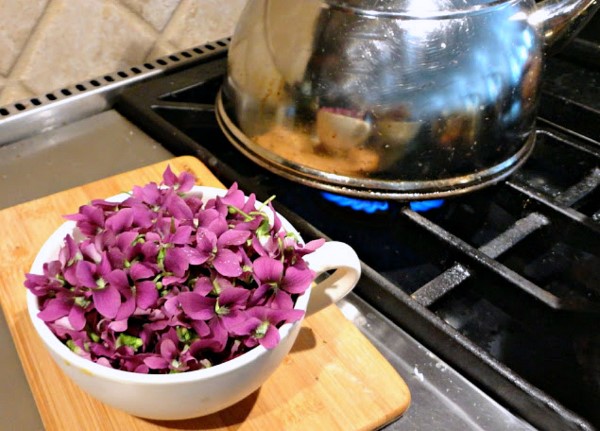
point(493, 281)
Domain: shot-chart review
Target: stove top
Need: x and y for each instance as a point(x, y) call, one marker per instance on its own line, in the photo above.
point(502, 283)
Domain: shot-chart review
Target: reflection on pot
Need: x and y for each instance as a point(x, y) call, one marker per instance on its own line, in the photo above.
point(406, 99)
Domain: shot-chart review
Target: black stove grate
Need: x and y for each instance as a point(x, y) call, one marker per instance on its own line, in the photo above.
point(503, 283)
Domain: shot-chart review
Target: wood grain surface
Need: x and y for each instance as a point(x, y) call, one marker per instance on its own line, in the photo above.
point(334, 378)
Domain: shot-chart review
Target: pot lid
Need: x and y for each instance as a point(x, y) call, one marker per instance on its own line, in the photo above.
point(416, 8)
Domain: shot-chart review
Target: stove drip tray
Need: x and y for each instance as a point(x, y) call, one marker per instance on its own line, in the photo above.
point(502, 283)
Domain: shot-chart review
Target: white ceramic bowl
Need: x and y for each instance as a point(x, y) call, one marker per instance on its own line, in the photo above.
point(202, 392)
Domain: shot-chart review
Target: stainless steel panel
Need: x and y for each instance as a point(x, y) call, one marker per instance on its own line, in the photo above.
point(102, 145)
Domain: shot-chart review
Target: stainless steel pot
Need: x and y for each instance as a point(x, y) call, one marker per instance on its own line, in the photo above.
point(408, 99)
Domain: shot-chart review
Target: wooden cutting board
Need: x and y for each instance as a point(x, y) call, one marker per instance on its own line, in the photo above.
point(334, 378)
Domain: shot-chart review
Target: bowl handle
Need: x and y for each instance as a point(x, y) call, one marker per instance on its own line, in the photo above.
point(343, 261)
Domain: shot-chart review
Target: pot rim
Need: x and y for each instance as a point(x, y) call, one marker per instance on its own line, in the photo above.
point(364, 187)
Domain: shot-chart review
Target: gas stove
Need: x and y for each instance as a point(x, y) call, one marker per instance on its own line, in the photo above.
point(488, 303)
point(503, 283)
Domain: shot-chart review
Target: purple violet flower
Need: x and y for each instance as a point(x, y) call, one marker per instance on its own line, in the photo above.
point(217, 246)
point(165, 283)
point(278, 283)
point(260, 325)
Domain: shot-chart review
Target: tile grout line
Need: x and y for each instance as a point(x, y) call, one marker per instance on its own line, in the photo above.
point(16, 70)
point(9, 77)
point(161, 39)
point(26, 42)
point(141, 14)
point(130, 12)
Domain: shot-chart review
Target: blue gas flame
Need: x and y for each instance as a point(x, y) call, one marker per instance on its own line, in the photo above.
point(373, 206)
point(370, 207)
point(423, 206)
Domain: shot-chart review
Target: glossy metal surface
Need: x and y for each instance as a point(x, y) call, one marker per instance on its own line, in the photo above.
point(560, 20)
point(405, 99)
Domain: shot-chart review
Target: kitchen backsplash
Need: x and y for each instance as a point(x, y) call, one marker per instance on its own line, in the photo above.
point(48, 44)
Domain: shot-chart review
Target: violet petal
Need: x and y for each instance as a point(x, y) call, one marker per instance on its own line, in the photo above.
point(156, 362)
point(201, 327)
point(169, 178)
point(186, 181)
point(140, 271)
point(117, 278)
point(142, 216)
point(246, 327)
point(206, 240)
point(148, 193)
point(120, 221)
point(84, 271)
point(176, 261)
point(107, 301)
point(126, 308)
point(55, 309)
point(270, 339)
point(182, 235)
point(233, 237)
point(297, 280)
point(311, 246)
point(146, 294)
point(282, 300)
point(267, 269)
point(178, 208)
point(228, 263)
point(234, 296)
point(234, 196)
point(203, 286)
point(195, 256)
point(197, 306)
point(168, 349)
point(77, 317)
point(118, 325)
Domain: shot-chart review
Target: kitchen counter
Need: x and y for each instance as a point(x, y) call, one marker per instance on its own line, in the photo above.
point(105, 143)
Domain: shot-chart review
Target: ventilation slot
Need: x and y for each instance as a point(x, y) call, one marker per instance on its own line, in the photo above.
point(189, 55)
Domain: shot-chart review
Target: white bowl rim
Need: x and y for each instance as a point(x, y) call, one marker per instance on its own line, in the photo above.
point(93, 368)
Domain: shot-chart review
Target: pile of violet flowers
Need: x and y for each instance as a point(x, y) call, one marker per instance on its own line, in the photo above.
point(164, 283)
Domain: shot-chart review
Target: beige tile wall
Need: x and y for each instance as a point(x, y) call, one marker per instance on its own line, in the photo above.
point(48, 44)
